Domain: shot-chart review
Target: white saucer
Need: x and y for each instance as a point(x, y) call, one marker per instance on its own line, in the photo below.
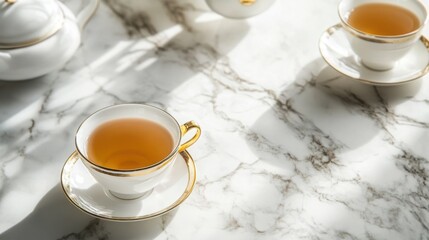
point(336, 51)
point(86, 194)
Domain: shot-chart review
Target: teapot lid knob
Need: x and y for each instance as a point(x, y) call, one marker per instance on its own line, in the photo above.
point(243, 2)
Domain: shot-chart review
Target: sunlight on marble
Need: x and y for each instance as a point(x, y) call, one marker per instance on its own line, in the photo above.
point(290, 148)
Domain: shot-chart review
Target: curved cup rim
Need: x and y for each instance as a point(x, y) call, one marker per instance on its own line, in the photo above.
point(387, 38)
point(167, 158)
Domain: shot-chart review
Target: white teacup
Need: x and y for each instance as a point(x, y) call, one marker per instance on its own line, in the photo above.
point(381, 52)
point(239, 8)
point(131, 184)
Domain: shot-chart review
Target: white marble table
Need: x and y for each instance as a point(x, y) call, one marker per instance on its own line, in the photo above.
point(290, 148)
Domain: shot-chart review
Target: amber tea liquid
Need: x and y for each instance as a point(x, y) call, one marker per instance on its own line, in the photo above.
point(383, 19)
point(129, 143)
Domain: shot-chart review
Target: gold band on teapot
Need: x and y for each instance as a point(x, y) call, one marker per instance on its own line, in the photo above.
point(34, 41)
point(247, 2)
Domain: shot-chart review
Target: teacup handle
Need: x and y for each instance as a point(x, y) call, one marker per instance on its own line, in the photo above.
point(184, 129)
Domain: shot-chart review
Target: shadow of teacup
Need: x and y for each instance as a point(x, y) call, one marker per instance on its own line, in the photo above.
point(54, 217)
point(330, 81)
point(49, 219)
point(324, 114)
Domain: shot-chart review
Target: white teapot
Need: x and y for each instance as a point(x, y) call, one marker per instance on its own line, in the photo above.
point(38, 36)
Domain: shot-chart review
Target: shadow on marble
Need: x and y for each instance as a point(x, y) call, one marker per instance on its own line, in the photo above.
point(15, 96)
point(54, 217)
point(331, 81)
point(148, 229)
point(116, 68)
point(323, 114)
point(49, 219)
point(166, 43)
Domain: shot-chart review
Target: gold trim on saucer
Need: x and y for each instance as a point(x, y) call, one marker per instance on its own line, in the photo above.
point(65, 184)
point(331, 31)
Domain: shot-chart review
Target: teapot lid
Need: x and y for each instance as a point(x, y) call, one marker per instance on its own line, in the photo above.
point(27, 22)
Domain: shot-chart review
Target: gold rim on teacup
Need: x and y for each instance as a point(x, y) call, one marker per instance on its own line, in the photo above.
point(381, 38)
point(151, 168)
point(338, 27)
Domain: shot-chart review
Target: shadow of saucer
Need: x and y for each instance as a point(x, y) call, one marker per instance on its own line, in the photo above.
point(49, 219)
point(148, 229)
point(331, 81)
point(323, 114)
point(54, 217)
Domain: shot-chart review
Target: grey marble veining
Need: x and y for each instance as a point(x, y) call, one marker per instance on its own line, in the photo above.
point(290, 148)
